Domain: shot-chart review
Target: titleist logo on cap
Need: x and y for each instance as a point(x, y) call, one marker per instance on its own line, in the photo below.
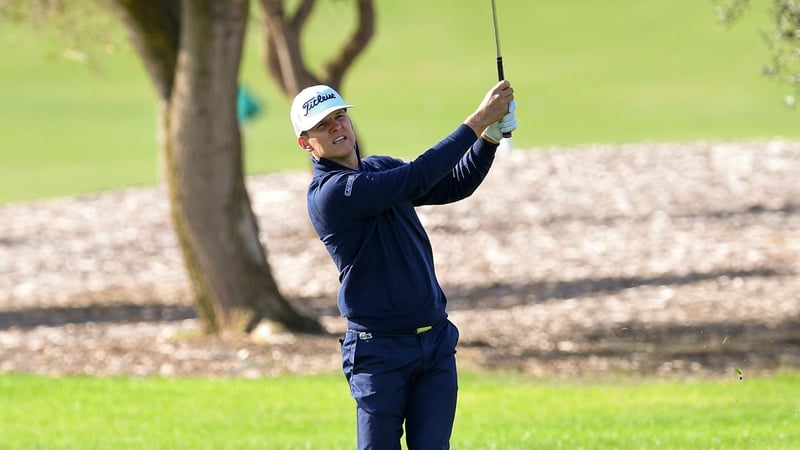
point(309, 105)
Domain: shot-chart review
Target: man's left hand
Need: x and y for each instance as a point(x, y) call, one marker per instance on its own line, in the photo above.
point(494, 132)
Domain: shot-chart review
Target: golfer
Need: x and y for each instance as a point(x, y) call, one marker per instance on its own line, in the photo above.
point(398, 354)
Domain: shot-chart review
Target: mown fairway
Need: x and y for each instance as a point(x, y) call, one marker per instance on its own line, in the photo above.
point(616, 71)
point(496, 412)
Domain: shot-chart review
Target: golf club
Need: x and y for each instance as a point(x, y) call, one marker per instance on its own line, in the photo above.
point(500, 74)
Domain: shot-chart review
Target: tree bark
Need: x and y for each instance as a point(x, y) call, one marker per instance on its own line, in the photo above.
point(192, 50)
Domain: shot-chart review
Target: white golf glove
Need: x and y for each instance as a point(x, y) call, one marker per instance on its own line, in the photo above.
point(494, 132)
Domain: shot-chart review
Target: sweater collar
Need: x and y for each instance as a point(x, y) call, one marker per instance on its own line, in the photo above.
point(326, 165)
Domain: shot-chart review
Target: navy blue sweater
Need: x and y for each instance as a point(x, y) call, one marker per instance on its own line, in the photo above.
point(367, 221)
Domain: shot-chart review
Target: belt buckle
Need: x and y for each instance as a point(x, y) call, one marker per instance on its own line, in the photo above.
point(424, 329)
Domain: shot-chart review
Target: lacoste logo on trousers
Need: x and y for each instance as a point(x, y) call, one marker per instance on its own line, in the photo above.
point(365, 336)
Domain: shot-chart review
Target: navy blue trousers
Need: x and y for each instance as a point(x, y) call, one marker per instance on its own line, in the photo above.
point(403, 379)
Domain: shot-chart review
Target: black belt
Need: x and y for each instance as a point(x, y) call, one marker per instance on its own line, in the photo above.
point(419, 330)
point(367, 335)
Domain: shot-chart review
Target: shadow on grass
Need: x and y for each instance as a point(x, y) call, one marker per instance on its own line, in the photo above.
point(460, 298)
point(97, 313)
point(509, 295)
point(716, 347)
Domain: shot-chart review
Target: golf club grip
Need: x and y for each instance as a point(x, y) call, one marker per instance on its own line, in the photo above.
point(501, 77)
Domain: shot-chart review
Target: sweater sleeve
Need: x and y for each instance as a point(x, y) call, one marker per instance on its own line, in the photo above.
point(350, 195)
point(464, 178)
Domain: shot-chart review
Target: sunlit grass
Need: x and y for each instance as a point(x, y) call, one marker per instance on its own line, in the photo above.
point(496, 411)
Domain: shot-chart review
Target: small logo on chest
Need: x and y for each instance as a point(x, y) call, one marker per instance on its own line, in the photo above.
point(348, 188)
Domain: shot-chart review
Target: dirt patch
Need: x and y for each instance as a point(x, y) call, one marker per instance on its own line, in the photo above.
point(658, 259)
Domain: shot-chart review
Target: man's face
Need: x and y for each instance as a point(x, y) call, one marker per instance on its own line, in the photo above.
point(333, 139)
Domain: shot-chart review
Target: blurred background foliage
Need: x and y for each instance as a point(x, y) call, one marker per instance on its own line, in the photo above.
point(79, 114)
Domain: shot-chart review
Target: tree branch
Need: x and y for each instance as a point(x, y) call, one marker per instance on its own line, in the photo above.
point(301, 15)
point(154, 30)
point(284, 55)
point(334, 71)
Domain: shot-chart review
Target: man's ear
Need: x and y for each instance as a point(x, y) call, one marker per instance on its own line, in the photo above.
point(302, 141)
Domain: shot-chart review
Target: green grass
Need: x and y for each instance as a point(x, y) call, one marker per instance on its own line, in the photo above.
point(315, 412)
point(585, 71)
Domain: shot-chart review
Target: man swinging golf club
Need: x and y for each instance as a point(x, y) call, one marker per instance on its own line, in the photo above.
point(398, 354)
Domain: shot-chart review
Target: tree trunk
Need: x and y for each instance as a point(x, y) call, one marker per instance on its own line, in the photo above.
point(192, 51)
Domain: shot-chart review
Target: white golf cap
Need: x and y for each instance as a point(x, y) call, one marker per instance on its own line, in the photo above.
point(312, 105)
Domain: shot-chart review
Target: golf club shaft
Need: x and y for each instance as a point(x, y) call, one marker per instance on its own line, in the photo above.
point(500, 74)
